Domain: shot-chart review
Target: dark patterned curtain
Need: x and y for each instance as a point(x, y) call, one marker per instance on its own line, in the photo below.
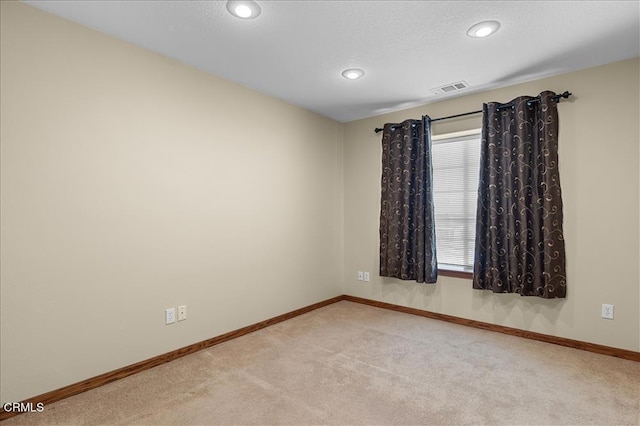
point(519, 239)
point(407, 231)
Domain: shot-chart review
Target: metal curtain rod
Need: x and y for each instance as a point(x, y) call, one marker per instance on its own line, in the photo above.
point(507, 105)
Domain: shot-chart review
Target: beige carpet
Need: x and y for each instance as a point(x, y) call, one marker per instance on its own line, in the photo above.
point(354, 364)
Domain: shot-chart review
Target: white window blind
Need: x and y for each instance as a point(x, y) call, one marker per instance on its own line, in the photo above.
point(456, 169)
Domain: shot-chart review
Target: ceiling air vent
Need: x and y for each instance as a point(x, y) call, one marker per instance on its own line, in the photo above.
point(450, 88)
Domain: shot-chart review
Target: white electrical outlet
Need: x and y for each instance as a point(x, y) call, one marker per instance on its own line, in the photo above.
point(366, 276)
point(170, 316)
point(607, 311)
point(182, 312)
point(360, 276)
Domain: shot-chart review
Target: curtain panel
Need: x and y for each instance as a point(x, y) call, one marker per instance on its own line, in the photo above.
point(519, 238)
point(407, 230)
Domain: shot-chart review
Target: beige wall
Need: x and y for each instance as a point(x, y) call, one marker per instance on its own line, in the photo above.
point(132, 183)
point(599, 140)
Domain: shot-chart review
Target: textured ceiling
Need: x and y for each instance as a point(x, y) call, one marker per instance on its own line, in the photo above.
point(296, 50)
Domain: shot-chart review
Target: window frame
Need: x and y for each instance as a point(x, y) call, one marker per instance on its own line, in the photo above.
point(452, 270)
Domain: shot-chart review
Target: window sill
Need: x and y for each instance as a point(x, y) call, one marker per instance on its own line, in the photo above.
point(455, 274)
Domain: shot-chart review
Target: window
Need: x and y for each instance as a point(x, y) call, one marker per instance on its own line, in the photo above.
point(456, 170)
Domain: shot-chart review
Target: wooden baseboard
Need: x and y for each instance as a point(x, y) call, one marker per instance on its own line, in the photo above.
point(576, 344)
point(103, 379)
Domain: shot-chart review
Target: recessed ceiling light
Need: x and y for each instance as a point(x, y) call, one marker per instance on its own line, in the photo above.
point(243, 9)
point(483, 29)
point(352, 73)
